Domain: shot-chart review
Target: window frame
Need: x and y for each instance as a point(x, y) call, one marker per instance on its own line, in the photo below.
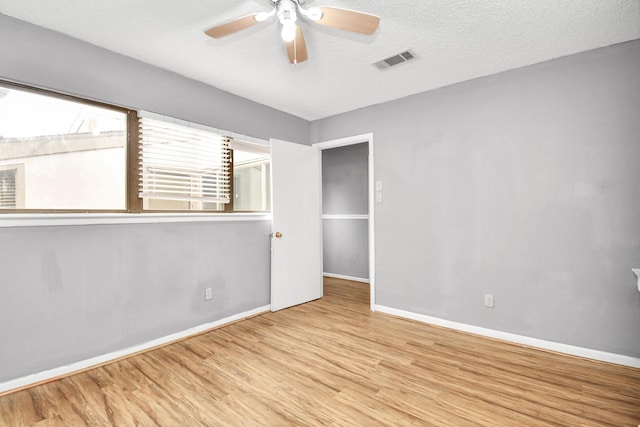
point(133, 203)
point(58, 95)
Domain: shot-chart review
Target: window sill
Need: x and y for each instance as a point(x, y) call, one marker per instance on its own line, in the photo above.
point(49, 220)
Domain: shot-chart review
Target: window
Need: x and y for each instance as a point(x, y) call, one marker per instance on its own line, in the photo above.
point(11, 186)
point(72, 154)
point(8, 189)
point(63, 154)
point(251, 177)
point(187, 167)
point(183, 166)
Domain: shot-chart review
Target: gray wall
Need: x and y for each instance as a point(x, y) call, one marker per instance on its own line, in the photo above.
point(345, 181)
point(345, 249)
point(70, 293)
point(522, 184)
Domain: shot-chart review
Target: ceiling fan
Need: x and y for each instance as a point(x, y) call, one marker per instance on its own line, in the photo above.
point(288, 12)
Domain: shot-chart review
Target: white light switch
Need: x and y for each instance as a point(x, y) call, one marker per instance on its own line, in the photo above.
point(379, 185)
point(488, 300)
point(378, 197)
point(637, 272)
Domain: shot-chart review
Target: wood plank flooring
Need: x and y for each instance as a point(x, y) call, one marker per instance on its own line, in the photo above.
point(332, 362)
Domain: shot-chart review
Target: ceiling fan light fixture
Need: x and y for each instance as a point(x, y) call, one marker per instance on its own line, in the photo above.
point(288, 30)
point(287, 16)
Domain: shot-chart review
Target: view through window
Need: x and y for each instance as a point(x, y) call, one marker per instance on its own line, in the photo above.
point(251, 178)
point(59, 154)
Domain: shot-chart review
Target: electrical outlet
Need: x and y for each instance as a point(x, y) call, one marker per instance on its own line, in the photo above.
point(488, 300)
point(208, 294)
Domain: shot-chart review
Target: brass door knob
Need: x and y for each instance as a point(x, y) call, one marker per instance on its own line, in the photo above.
point(278, 234)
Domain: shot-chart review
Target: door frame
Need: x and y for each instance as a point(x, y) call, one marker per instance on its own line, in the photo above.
point(351, 140)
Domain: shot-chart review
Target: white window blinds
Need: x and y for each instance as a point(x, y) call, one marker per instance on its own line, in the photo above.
point(8, 188)
point(182, 161)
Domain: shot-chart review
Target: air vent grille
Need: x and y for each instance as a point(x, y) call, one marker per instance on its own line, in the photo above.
point(393, 60)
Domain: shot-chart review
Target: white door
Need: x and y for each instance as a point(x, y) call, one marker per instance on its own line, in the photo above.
point(296, 240)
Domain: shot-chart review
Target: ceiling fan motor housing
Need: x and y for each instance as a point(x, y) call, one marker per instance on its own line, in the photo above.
point(286, 10)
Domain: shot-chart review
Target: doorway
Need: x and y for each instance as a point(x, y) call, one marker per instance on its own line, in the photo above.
point(348, 210)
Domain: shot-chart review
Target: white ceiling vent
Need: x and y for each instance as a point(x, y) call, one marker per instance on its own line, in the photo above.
point(393, 60)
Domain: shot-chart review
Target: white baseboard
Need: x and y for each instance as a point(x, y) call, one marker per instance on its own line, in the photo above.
point(51, 374)
point(342, 276)
point(588, 353)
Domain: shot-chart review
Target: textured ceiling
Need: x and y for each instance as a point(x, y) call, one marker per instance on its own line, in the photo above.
point(454, 41)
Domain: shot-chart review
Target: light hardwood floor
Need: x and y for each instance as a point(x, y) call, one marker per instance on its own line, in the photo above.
point(332, 362)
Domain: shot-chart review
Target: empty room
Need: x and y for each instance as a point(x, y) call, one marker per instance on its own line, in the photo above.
point(320, 212)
